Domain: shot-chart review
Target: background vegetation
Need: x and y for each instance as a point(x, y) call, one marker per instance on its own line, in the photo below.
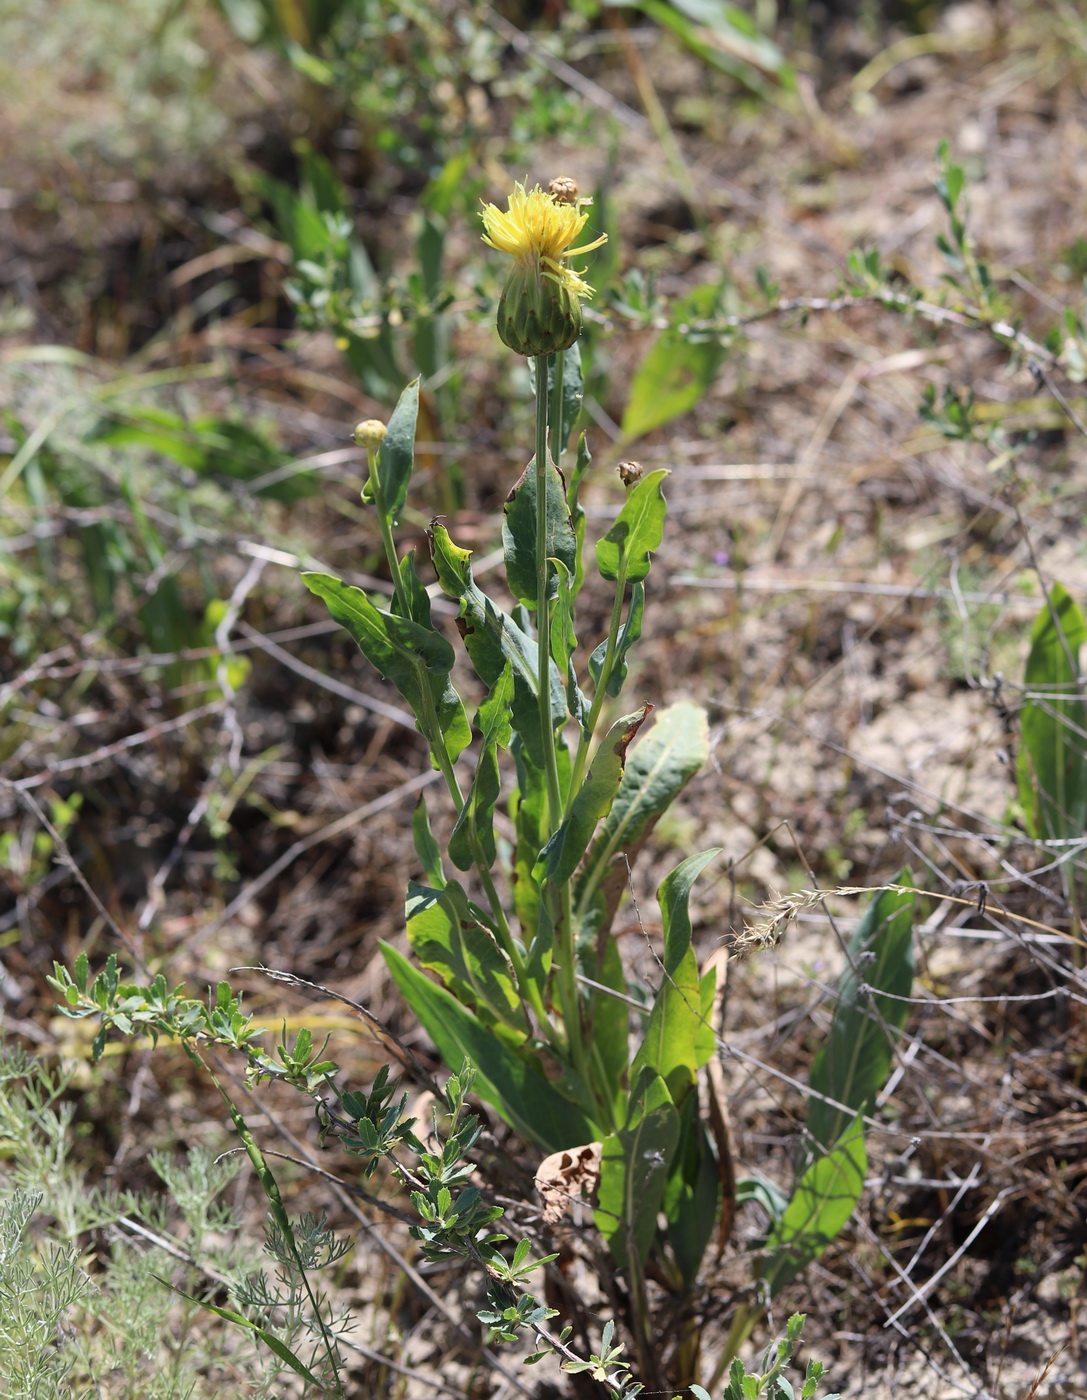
point(841, 303)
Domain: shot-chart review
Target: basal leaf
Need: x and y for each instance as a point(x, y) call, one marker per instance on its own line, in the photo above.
point(674, 895)
point(1053, 723)
point(692, 1194)
point(527, 1102)
point(675, 1039)
point(634, 1170)
point(823, 1200)
point(609, 1030)
point(669, 1044)
point(854, 1061)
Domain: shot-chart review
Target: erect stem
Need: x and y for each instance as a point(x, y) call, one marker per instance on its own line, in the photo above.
point(558, 440)
point(600, 694)
point(432, 729)
point(567, 960)
point(543, 611)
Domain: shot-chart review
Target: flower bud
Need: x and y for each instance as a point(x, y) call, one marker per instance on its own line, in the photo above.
point(537, 314)
point(370, 433)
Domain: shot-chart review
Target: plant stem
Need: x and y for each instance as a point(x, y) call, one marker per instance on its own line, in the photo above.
point(567, 962)
point(276, 1208)
point(386, 528)
point(600, 694)
point(543, 612)
point(432, 730)
point(558, 442)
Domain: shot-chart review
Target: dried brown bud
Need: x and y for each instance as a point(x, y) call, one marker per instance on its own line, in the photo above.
point(563, 189)
point(630, 473)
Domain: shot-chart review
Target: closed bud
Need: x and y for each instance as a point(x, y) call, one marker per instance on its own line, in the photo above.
point(370, 433)
point(537, 314)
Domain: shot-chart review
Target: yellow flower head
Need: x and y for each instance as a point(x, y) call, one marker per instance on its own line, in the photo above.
point(539, 232)
point(540, 309)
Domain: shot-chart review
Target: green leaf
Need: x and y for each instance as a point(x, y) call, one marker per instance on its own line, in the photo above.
point(692, 1194)
point(822, 1202)
point(426, 847)
point(270, 1340)
point(669, 1045)
point(657, 770)
point(528, 809)
point(676, 371)
point(578, 518)
point(854, 1061)
point(1052, 770)
point(528, 1103)
point(472, 838)
point(297, 220)
point(625, 550)
point(448, 936)
point(634, 1170)
point(519, 532)
point(564, 851)
point(608, 1036)
point(628, 634)
point(573, 389)
point(674, 1040)
point(674, 895)
point(409, 655)
point(727, 38)
point(492, 638)
point(563, 637)
point(396, 455)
